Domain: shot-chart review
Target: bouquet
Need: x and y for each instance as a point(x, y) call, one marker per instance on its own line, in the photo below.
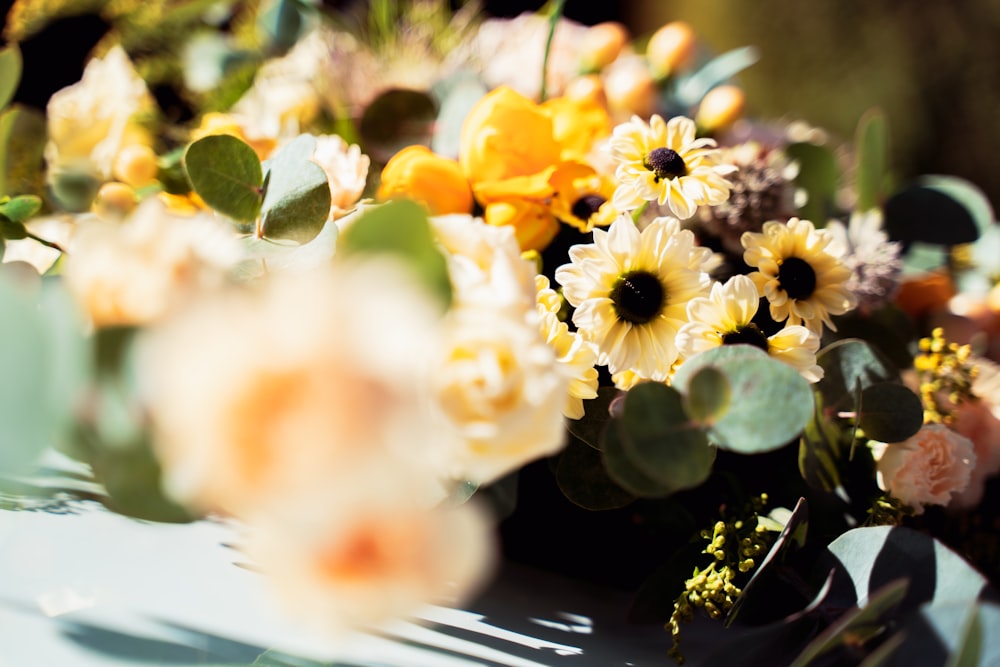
point(407, 290)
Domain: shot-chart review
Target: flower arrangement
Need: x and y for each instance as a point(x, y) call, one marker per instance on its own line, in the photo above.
point(393, 266)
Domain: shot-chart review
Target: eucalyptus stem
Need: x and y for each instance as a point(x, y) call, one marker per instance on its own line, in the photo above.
point(554, 15)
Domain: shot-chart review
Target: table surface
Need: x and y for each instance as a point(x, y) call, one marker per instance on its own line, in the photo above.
point(87, 587)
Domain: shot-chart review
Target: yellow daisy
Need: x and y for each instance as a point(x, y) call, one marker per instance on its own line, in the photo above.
point(665, 162)
point(630, 291)
point(799, 272)
point(582, 197)
point(575, 357)
point(725, 317)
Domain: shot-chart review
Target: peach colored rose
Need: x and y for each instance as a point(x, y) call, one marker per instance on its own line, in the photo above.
point(975, 421)
point(929, 468)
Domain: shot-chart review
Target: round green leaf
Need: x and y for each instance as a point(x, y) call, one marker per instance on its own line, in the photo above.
point(581, 477)
point(27, 410)
point(661, 441)
point(457, 94)
point(400, 227)
point(890, 412)
point(622, 470)
point(773, 405)
point(20, 208)
point(227, 174)
point(708, 395)
point(297, 195)
point(849, 365)
point(942, 210)
point(712, 357)
point(596, 415)
point(395, 119)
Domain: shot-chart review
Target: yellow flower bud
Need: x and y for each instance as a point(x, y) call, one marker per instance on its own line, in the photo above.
point(601, 45)
point(671, 48)
point(433, 180)
point(586, 88)
point(577, 125)
point(721, 107)
point(505, 135)
point(114, 200)
point(136, 165)
point(631, 89)
point(533, 223)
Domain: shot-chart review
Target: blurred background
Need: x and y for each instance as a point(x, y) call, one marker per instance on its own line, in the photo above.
point(933, 67)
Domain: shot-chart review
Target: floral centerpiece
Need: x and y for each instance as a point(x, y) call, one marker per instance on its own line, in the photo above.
point(406, 291)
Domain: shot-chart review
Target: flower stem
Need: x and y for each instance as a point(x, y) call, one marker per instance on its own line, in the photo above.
point(554, 14)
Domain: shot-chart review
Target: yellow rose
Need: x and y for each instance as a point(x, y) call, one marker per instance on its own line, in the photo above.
point(533, 223)
point(577, 124)
point(505, 135)
point(435, 181)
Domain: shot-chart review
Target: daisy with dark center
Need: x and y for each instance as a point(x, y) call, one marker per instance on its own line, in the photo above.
point(582, 197)
point(664, 162)
point(630, 291)
point(801, 273)
point(725, 318)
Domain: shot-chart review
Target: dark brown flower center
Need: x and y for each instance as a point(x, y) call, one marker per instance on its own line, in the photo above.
point(748, 335)
point(587, 205)
point(797, 278)
point(665, 163)
point(638, 297)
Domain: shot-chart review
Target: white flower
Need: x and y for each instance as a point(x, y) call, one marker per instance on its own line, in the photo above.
point(346, 169)
point(575, 356)
point(90, 122)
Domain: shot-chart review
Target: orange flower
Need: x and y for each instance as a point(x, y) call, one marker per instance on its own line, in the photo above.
point(435, 181)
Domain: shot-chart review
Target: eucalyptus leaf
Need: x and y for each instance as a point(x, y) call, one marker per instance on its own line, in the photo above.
point(819, 176)
point(708, 395)
point(297, 195)
point(771, 407)
point(846, 364)
point(713, 357)
point(871, 162)
point(923, 257)
point(890, 412)
point(693, 87)
point(20, 208)
point(622, 470)
point(28, 412)
point(400, 228)
point(820, 451)
point(596, 414)
point(395, 119)
point(456, 96)
point(227, 174)
point(660, 439)
point(581, 477)
point(938, 209)
point(10, 73)
point(856, 626)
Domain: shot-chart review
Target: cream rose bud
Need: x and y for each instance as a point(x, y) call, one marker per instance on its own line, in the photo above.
point(366, 553)
point(92, 121)
point(930, 468)
point(499, 392)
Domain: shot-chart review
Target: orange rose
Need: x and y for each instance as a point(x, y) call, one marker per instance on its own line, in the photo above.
point(435, 181)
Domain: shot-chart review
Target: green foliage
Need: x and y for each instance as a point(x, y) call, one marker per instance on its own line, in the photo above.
point(227, 174)
point(402, 229)
point(456, 96)
point(819, 176)
point(582, 478)
point(849, 365)
point(297, 193)
point(890, 412)
point(708, 395)
point(691, 88)
point(820, 450)
point(871, 162)
point(939, 210)
point(595, 417)
point(10, 73)
point(396, 119)
point(758, 383)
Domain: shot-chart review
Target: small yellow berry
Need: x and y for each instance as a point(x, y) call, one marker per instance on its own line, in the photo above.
point(135, 165)
point(671, 48)
point(114, 200)
point(601, 44)
point(720, 108)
